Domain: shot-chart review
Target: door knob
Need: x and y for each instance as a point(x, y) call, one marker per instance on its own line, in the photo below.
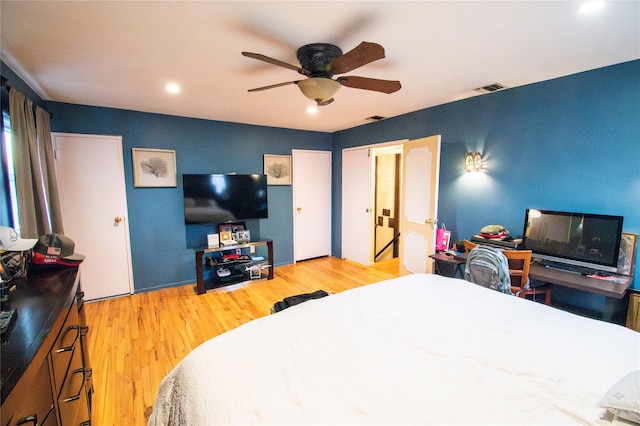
point(118, 219)
point(430, 221)
point(299, 209)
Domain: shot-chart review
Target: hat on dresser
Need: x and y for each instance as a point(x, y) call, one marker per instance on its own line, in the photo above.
point(56, 249)
point(11, 241)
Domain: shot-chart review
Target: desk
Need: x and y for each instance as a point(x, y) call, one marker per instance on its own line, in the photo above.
point(453, 265)
point(615, 292)
point(581, 282)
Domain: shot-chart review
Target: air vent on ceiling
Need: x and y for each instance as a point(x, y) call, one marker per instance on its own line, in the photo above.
point(376, 118)
point(491, 88)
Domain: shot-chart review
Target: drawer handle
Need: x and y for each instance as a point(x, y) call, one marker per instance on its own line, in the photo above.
point(29, 419)
point(77, 396)
point(70, 348)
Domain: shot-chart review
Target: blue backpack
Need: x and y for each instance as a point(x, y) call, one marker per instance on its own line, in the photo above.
point(488, 267)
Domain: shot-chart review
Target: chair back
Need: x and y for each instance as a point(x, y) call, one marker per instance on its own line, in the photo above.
point(468, 245)
point(519, 263)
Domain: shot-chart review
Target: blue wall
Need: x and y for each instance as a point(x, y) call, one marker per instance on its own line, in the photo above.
point(159, 239)
point(570, 144)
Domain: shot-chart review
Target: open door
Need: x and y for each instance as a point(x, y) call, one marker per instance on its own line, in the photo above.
point(419, 204)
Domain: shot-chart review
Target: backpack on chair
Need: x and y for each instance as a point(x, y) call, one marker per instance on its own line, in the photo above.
point(488, 267)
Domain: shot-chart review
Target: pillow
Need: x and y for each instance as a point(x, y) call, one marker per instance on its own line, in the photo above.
point(623, 398)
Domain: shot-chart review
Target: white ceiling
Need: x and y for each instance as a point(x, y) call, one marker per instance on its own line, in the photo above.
point(120, 54)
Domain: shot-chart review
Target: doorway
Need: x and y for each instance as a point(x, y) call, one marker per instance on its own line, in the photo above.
point(388, 189)
point(387, 172)
point(370, 202)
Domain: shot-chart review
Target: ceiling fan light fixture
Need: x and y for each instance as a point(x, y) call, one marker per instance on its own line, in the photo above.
point(319, 89)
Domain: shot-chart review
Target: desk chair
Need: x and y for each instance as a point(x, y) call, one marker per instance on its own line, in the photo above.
point(468, 245)
point(519, 263)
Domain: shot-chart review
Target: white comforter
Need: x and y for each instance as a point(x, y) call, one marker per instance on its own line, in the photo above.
point(421, 349)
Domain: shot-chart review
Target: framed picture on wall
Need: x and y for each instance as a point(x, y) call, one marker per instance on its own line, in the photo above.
point(154, 167)
point(627, 256)
point(278, 169)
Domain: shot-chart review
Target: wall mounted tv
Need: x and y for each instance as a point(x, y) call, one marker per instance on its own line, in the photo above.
point(219, 198)
point(583, 239)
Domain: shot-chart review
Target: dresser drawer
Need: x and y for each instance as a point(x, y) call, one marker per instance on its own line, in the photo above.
point(73, 394)
point(66, 344)
point(31, 401)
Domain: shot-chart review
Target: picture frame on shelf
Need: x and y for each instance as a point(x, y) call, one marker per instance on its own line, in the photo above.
point(627, 255)
point(154, 167)
point(237, 226)
point(243, 236)
point(278, 169)
point(225, 232)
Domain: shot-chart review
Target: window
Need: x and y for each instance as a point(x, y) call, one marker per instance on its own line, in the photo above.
point(12, 196)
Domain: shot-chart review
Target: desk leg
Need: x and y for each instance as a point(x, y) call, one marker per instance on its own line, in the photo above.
point(199, 277)
point(436, 268)
point(614, 309)
point(457, 269)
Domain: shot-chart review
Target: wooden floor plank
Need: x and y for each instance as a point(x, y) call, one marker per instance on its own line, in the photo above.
point(134, 341)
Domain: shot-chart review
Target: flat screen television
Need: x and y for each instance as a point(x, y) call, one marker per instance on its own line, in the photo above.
point(219, 198)
point(582, 239)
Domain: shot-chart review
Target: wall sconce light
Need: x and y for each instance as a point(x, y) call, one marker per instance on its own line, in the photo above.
point(472, 162)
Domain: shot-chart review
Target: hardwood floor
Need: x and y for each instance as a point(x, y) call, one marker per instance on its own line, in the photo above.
point(134, 341)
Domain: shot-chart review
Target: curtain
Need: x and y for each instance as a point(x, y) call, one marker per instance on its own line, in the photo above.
point(38, 205)
point(50, 184)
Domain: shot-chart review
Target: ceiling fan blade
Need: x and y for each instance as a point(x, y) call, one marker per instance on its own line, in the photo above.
point(257, 89)
point(272, 61)
point(385, 86)
point(364, 53)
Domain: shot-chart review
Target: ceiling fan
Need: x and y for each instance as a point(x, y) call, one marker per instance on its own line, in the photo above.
point(319, 62)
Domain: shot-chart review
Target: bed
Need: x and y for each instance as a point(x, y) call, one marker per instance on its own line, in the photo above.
point(420, 349)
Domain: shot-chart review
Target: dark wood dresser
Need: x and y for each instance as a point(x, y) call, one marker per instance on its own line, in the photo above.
point(46, 376)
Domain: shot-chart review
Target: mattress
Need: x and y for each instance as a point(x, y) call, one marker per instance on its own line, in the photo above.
point(421, 349)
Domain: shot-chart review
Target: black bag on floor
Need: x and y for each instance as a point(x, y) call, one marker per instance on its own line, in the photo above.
point(294, 300)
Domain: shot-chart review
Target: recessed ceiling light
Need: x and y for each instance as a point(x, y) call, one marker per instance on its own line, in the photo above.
point(172, 88)
point(591, 6)
point(312, 109)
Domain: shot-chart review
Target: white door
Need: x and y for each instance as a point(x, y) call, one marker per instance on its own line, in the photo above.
point(311, 204)
point(419, 204)
point(90, 174)
point(357, 202)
